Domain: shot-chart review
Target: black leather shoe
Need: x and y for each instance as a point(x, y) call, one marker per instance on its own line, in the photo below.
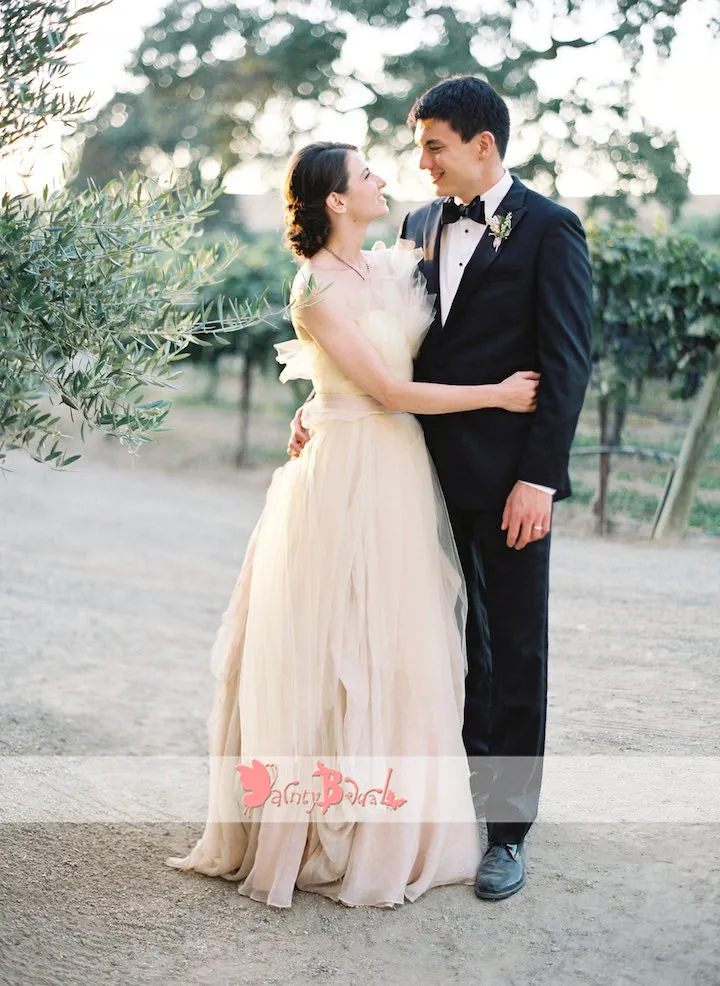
point(501, 872)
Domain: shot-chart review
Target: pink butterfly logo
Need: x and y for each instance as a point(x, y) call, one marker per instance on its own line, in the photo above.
point(256, 781)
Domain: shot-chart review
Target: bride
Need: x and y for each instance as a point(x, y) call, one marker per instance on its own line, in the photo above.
point(340, 659)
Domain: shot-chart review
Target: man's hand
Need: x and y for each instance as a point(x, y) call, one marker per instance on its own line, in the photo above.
point(527, 515)
point(299, 436)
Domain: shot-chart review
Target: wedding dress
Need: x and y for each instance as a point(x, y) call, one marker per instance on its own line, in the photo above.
point(343, 648)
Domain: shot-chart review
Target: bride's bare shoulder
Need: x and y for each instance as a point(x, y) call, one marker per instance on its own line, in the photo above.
point(316, 289)
point(316, 282)
point(310, 278)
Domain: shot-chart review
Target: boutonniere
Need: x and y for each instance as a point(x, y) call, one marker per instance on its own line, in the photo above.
point(500, 227)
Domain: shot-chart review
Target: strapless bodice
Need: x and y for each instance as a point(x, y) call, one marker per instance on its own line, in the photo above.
point(393, 312)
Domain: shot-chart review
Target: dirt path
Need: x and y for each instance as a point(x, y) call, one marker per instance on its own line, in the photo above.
point(112, 584)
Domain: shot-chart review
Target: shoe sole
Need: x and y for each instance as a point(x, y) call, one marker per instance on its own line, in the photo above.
point(503, 894)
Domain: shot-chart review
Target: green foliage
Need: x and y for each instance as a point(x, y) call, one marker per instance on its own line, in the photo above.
point(208, 76)
point(628, 499)
point(657, 305)
point(260, 276)
point(263, 273)
point(36, 38)
point(98, 297)
point(703, 228)
point(656, 313)
point(99, 290)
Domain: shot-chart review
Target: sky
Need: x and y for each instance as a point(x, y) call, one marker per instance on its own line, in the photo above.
point(677, 94)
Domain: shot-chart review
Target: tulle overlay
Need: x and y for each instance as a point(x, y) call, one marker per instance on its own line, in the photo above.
point(343, 642)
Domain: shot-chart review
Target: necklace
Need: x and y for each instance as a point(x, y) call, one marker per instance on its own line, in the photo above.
point(362, 276)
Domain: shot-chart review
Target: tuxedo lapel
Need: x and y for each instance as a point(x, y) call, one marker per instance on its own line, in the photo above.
point(431, 264)
point(485, 253)
point(431, 249)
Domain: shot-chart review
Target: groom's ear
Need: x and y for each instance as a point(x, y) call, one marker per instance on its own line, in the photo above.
point(484, 144)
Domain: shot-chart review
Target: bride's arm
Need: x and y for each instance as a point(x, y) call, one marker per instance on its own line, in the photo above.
point(358, 360)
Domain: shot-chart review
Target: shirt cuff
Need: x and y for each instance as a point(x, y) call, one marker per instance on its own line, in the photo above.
point(536, 486)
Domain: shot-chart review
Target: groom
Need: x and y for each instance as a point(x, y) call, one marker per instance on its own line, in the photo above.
point(511, 272)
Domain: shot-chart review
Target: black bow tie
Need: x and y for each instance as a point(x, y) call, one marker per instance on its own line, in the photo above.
point(474, 210)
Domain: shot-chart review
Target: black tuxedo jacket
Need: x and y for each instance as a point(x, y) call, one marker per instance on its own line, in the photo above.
point(526, 306)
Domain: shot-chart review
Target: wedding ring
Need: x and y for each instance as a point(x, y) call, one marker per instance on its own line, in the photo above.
point(538, 527)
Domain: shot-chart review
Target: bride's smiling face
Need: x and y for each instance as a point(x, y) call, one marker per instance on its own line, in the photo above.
point(362, 200)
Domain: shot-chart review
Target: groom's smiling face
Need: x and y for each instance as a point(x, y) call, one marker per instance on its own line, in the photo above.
point(457, 167)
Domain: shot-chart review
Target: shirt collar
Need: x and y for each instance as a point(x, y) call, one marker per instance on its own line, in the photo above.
point(494, 196)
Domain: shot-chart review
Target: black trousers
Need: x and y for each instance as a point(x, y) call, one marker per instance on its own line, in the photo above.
point(506, 683)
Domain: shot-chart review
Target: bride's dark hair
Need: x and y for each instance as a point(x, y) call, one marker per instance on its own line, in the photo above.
point(314, 173)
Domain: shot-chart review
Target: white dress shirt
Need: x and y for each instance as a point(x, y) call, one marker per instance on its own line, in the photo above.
point(458, 242)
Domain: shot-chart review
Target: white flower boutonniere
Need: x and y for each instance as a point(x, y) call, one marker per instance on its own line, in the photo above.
point(500, 227)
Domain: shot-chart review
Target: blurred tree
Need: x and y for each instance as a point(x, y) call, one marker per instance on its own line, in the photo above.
point(656, 313)
point(263, 272)
point(672, 518)
point(99, 290)
point(209, 80)
point(703, 228)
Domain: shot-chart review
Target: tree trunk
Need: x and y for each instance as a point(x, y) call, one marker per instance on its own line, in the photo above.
point(600, 503)
point(673, 517)
point(619, 415)
point(212, 365)
point(245, 394)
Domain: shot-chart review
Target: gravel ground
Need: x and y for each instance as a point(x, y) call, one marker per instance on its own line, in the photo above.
point(113, 582)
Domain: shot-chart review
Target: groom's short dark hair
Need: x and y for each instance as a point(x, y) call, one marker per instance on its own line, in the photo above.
point(469, 105)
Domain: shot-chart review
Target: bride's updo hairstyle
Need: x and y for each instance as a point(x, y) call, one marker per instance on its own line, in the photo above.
point(313, 173)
